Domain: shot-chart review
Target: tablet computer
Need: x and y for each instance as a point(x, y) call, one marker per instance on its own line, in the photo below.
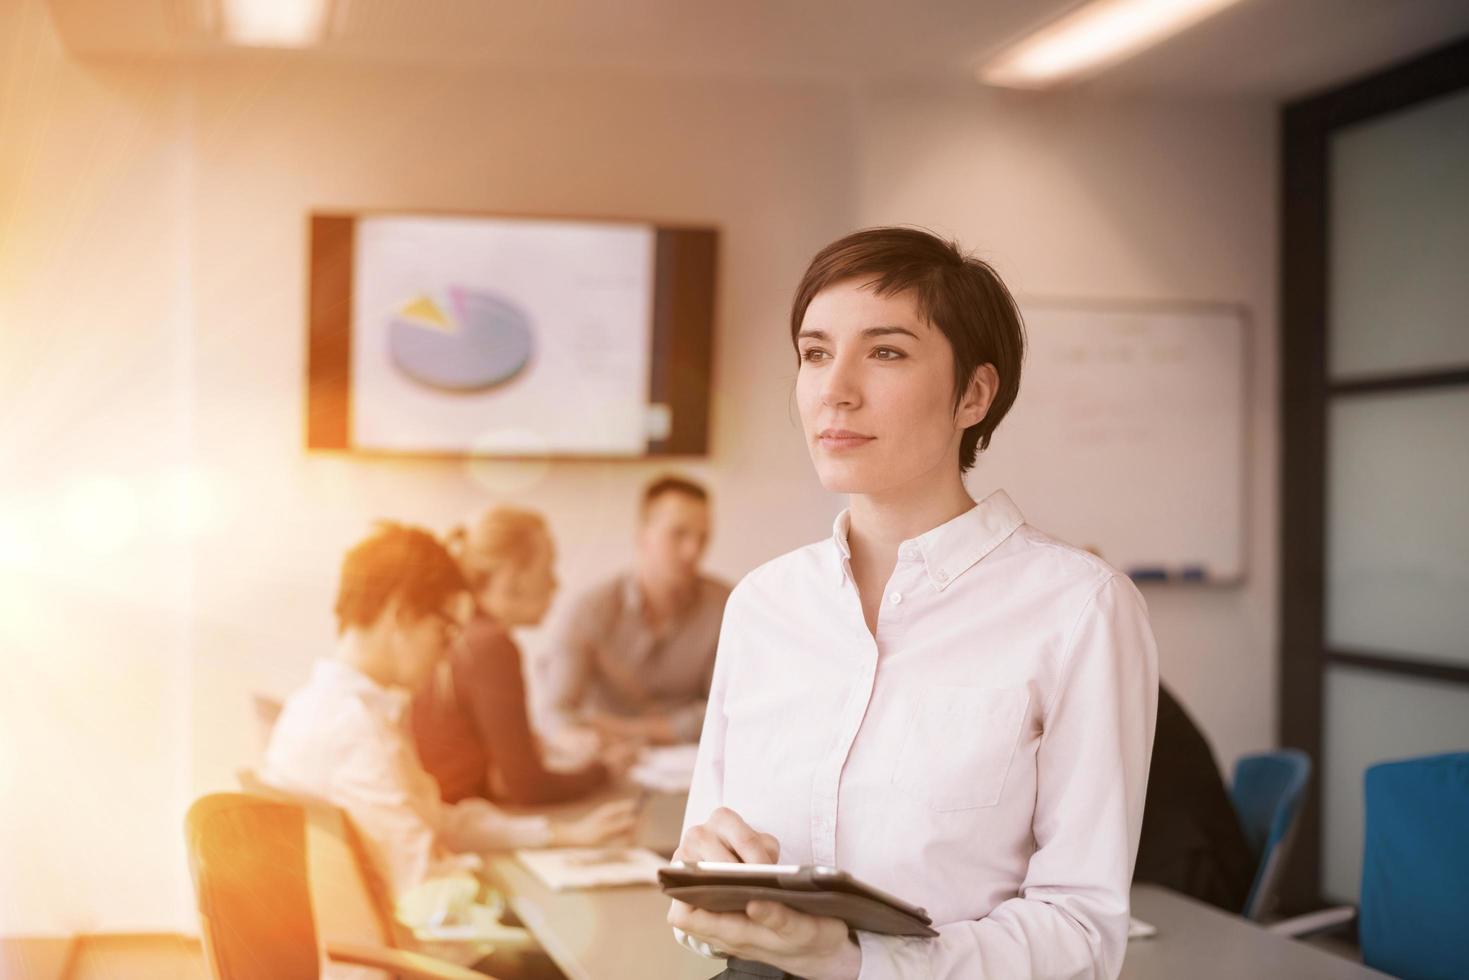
point(728, 887)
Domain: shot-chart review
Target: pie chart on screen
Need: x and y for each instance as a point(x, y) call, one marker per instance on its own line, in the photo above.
point(475, 341)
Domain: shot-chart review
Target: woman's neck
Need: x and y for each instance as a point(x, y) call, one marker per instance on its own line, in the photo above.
point(366, 652)
point(880, 522)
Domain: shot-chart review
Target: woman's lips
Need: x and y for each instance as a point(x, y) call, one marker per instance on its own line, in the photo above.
point(839, 439)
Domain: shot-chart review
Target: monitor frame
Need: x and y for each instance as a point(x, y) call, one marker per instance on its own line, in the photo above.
point(681, 371)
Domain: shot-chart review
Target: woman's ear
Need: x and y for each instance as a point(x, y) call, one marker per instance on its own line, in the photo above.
point(984, 384)
point(388, 616)
point(398, 615)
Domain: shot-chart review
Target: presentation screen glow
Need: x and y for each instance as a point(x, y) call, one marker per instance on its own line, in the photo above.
point(515, 337)
point(501, 336)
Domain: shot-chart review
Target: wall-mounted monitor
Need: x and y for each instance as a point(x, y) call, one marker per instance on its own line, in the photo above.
point(512, 337)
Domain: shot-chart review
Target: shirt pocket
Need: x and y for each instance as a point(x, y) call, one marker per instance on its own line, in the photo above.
point(959, 745)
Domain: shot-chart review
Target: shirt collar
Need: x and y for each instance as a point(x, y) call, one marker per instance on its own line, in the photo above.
point(950, 549)
point(390, 702)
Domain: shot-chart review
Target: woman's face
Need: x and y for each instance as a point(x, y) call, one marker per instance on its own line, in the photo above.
point(418, 644)
point(518, 594)
point(876, 392)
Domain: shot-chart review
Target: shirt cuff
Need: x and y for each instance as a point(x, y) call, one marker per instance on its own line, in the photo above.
point(698, 945)
point(892, 957)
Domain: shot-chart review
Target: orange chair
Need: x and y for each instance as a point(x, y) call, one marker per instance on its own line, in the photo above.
point(248, 858)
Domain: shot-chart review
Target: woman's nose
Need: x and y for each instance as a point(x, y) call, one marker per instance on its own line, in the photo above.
point(839, 387)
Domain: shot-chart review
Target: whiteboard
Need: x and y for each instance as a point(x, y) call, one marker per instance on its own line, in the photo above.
point(1128, 436)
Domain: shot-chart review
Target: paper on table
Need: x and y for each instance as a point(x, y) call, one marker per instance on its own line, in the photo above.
point(1138, 929)
point(561, 868)
point(666, 770)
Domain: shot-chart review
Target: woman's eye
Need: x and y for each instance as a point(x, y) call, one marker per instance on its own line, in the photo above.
point(813, 354)
point(887, 353)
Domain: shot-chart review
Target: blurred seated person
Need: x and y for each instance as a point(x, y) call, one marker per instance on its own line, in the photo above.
point(634, 655)
point(471, 722)
point(1191, 838)
point(342, 738)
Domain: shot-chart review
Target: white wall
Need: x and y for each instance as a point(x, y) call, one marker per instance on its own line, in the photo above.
point(152, 294)
point(770, 166)
point(1073, 196)
point(94, 340)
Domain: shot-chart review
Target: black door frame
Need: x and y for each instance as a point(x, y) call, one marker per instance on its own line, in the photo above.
point(1306, 130)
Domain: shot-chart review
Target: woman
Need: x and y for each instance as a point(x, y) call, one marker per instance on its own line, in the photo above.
point(940, 699)
point(472, 725)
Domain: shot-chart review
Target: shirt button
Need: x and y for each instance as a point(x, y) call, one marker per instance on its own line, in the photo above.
point(895, 598)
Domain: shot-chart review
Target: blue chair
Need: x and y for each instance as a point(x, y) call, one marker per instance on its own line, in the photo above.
point(1266, 792)
point(1414, 918)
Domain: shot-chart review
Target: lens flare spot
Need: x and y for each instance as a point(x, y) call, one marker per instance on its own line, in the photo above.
point(102, 515)
point(509, 477)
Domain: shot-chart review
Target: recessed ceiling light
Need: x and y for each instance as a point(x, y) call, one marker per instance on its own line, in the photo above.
point(275, 23)
point(1092, 37)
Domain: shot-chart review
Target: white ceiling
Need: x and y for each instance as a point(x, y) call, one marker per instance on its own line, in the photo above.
point(1288, 48)
point(1261, 48)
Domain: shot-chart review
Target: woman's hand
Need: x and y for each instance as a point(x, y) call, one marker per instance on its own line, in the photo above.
point(618, 756)
point(812, 946)
point(726, 837)
point(601, 825)
point(654, 729)
point(807, 945)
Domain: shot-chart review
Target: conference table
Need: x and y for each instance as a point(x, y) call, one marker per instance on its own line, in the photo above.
point(616, 933)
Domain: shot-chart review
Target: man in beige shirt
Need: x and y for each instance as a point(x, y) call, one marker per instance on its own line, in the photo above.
point(633, 656)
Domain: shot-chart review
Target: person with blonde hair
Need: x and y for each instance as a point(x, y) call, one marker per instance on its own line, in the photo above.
point(342, 739)
point(472, 723)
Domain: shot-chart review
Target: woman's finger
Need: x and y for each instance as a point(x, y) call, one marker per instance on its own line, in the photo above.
point(734, 932)
point(719, 928)
point(702, 844)
point(772, 915)
point(796, 929)
point(751, 846)
point(678, 914)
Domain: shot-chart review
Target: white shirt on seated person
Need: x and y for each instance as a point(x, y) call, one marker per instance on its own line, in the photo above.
point(342, 739)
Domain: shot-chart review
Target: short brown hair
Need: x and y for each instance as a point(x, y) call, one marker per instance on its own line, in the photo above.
point(672, 484)
point(959, 294)
point(395, 561)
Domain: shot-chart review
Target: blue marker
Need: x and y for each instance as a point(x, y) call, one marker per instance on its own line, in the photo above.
point(1150, 573)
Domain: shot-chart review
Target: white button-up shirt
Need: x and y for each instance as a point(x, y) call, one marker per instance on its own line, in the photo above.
point(342, 738)
point(984, 755)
